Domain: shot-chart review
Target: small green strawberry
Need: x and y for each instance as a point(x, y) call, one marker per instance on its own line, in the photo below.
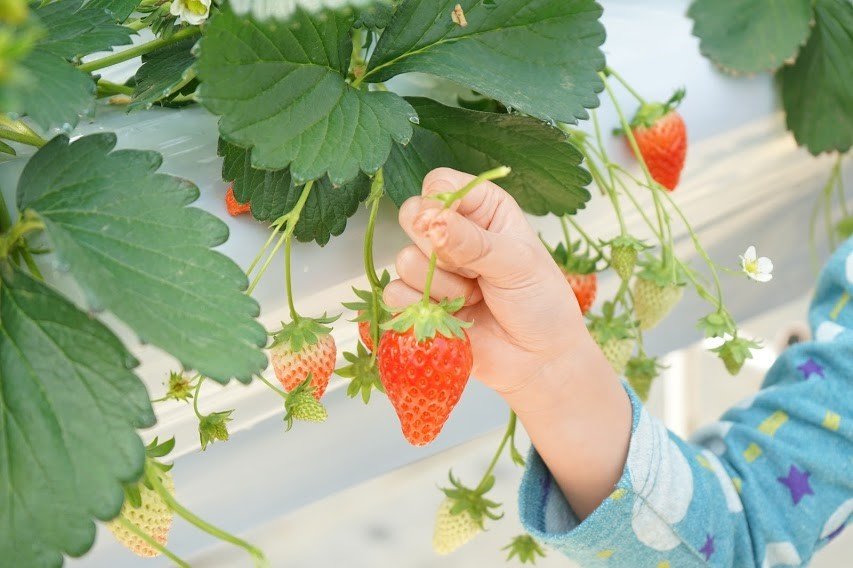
point(462, 514)
point(362, 372)
point(641, 371)
point(212, 427)
point(623, 255)
point(525, 548)
point(734, 353)
point(302, 404)
point(657, 290)
point(614, 335)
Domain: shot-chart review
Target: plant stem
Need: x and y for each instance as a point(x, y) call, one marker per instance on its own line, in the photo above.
point(5, 216)
point(611, 188)
point(629, 88)
point(259, 256)
point(138, 50)
point(107, 88)
point(289, 221)
point(189, 516)
point(275, 389)
point(198, 414)
point(288, 242)
point(509, 433)
point(565, 227)
point(127, 525)
point(576, 226)
point(433, 260)
point(377, 190)
point(135, 25)
point(639, 209)
point(652, 184)
point(23, 138)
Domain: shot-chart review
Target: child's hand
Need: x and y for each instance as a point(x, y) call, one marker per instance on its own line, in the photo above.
point(529, 340)
point(525, 315)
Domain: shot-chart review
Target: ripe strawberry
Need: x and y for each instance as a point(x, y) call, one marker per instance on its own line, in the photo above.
point(452, 531)
point(144, 508)
point(302, 404)
point(657, 290)
point(424, 363)
point(234, 207)
point(614, 336)
point(662, 139)
point(301, 348)
point(579, 270)
point(369, 311)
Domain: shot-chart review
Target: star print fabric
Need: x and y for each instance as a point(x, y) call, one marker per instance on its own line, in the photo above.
point(766, 486)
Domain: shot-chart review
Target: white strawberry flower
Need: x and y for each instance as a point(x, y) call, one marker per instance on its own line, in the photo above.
point(758, 268)
point(192, 12)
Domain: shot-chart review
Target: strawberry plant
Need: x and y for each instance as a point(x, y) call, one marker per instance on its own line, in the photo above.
point(310, 129)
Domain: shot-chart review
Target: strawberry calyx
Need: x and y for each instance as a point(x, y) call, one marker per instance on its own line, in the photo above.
point(472, 501)
point(662, 273)
point(180, 387)
point(427, 319)
point(368, 307)
point(717, 324)
point(649, 113)
point(525, 548)
point(302, 331)
point(153, 450)
point(213, 427)
point(735, 351)
point(609, 326)
point(300, 404)
point(574, 261)
point(362, 372)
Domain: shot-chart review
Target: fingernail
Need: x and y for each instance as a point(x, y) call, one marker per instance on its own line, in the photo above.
point(424, 220)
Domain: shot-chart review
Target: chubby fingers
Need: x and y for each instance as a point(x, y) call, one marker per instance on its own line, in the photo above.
point(412, 266)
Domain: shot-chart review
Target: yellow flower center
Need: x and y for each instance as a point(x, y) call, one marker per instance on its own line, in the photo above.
point(196, 7)
point(751, 266)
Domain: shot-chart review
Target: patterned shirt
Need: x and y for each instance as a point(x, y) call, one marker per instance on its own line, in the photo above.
point(766, 486)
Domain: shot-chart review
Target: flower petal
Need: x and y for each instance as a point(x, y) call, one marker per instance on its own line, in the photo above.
point(750, 253)
point(765, 265)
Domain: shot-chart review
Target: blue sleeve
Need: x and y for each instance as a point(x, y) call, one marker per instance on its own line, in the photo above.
point(765, 486)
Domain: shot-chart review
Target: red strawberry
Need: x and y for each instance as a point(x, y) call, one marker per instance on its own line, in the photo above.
point(364, 332)
point(304, 347)
point(234, 207)
point(579, 270)
point(662, 139)
point(584, 286)
point(424, 363)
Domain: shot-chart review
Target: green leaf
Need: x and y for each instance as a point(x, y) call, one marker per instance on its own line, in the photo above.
point(6, 149)
point(377, 15)
point(56, 92)
point(69, 407)
point(817, 91)
point(747, 36)
point(546, 174)
point(541, 57)
point(272, 193)
point(161, 72)
point(73, 30)
point(281, 90)
point(120, 9)
point(127, 236)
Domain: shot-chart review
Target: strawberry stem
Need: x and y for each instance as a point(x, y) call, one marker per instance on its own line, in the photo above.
point(451, 197)
point(377, 190)
point(256, 554)
point(289, 221)
point(565, 227)
point(274, 388)
point(198, 414)
point(628, 87)
point(663, 218)
point(611, 187)
point(288, 242)
point(508, 434)
point(130, 527)
point(138, 50)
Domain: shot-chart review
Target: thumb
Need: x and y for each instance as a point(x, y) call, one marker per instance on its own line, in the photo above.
point(464, 246)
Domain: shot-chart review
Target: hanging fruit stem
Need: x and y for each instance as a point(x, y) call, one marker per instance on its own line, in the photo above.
point(146, 538)
point(256, 554)
point(377, 190)
point(508, 435)
point(610, 188)
point(274, 388)
point(196, 397)
point(448, 199)
point(288, 221)
point(618, 77)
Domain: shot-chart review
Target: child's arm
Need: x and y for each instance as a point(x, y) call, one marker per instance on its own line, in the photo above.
point(766, 486)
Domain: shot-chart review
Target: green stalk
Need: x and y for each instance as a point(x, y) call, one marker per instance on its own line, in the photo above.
point(509, 433)
point(289, 220)
point(23, 138)
point(135, 25)
point(256, 554)
point(288, 241)
point(108, 88)
point(448, 199)
point(611, 188)
point(629, 88)
point(565, 227)
point(138, 50)
point(639, 209)
point(127, 525)
point(198, 414)
point(5, 216)
point(653, 185)
point(274, 388)
point(377, 190)
point(591, 243)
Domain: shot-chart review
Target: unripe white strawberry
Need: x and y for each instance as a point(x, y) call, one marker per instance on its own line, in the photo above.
point(152, 516)
point(452, 531)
